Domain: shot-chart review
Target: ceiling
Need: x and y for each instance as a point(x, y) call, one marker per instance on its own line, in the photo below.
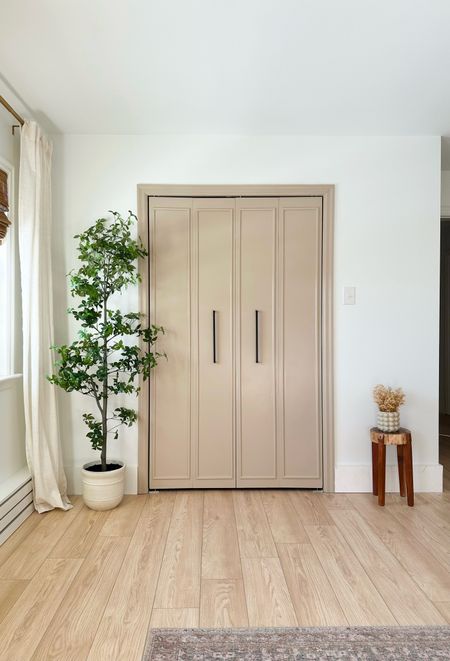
point(328, 67)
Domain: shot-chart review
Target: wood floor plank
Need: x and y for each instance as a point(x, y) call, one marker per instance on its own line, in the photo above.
point(310, 508)
point(10, 591)
point(255, 537)
point(268, 600)
point(444, 609)
point(26, 559)
point(179, 580)
point(431, 577)
point(26, 622)
point(72, 629)
point(78, 539)
point(123, 627)
point(421, 499)
point(283, 520)
point(335, 501)
point(437, 510)
point(404, 598)
point(314, 600)
point(122, 520)
point(179, 618)
point(363, 565)
point(425, 498)
point(432, 498)
point(18, 537)
point(360, 601)
point(223, 604)
point(220, 552)
point(424, 527)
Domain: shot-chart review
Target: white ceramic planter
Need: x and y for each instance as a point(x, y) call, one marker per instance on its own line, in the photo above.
point(388, 420)
point(103, 490)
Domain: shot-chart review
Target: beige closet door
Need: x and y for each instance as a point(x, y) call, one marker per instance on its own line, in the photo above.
point(170, 306)
point(237, 285)
point(298, 342)
point(255, 317)
point(212, 357)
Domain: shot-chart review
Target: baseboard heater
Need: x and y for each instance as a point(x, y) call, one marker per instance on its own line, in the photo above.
point(16, 506)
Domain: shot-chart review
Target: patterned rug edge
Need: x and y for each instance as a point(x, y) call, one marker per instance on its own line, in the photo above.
point(152, 634)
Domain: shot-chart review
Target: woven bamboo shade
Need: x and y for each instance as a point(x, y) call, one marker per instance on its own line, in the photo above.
point(4, 205)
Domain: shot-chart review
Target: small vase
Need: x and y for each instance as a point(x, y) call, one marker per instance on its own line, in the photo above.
point(388, 421)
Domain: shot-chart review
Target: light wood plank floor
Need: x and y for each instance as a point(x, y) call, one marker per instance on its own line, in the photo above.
point(87, 585)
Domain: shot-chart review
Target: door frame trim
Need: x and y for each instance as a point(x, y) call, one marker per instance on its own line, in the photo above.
point(326, 192)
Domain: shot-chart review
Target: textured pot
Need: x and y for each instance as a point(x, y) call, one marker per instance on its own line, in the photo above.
point(388, 420)
point(103, 490)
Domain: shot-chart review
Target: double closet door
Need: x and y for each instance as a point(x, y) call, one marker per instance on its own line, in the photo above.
point(236, 283)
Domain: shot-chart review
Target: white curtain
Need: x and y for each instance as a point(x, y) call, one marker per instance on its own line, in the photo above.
point(34, 219)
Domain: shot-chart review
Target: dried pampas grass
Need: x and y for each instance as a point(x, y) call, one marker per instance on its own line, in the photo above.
point(388, 399)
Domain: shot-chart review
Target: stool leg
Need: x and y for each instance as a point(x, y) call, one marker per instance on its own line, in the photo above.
point(381, 468)
point(375, 469)
point(401, 468)
point(409, 473)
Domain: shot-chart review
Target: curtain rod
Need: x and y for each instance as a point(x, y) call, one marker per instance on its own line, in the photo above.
point(11, 110)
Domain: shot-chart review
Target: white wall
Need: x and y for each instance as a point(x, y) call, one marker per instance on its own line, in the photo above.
point(386, 244)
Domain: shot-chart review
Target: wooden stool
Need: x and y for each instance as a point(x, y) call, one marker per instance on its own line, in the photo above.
point(402, 439)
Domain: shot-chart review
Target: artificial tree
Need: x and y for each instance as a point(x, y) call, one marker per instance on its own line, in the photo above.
point(105, 361)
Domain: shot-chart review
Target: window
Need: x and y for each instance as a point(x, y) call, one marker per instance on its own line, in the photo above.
point(7, 280)
point(4, 204)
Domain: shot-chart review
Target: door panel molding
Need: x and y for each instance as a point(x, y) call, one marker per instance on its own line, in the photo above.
point(300, 256)
point(213, 438)
point(326, 192)
point(173, 435)
point(257, 220)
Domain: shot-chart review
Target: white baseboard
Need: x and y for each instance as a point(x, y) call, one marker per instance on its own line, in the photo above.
point(350, 479)
point(354, 479)
point(73, 475)
point(16, 502)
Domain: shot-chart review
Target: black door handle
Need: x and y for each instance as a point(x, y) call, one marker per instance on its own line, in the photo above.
point(257, 336)
point(214, 312)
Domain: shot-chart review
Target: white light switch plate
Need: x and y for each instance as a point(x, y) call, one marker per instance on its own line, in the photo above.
point(349, 295)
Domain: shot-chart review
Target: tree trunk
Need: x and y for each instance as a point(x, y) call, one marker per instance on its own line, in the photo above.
point(105, 391)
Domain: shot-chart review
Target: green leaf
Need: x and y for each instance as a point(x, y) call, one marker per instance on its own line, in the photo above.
point(107, 357)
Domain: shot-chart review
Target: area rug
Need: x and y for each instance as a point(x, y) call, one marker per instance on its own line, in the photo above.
point(345, 643)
